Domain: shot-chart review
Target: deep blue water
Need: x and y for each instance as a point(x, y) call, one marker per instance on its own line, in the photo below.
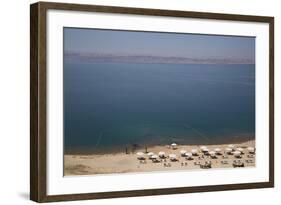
point(113, 105)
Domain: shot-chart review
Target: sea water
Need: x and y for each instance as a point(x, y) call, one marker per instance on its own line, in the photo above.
point(111, 106)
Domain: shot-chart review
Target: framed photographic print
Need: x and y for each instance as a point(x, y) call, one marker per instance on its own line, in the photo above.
point(134, 102)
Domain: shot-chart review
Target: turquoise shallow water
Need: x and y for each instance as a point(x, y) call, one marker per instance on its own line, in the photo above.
point(108, 106)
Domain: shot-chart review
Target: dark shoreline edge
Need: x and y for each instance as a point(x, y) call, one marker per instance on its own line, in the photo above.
point(114, 150)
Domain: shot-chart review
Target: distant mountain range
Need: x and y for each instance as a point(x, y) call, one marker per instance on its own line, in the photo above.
point(95, 57)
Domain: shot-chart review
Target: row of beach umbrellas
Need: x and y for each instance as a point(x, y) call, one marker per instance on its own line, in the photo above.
point(229, 150)
point(151, 155)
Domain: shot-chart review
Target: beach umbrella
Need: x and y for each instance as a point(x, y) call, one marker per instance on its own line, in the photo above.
point(231, 146)
point(173, 145)
point(183, 152)
point(228, 150)
point(161, 154)
point(194, 151)
point(251, 150)
point(203, 147)
point(140, 155)
point(237, 154)
point(212, 153)
point(218, 151)
point(240, 149)
point(150, 154)
point(205, 151)
point(173, 157)
point(154, 158)
point(188, 155)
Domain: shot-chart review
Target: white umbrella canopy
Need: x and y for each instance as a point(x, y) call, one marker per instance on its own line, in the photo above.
point(251, 149)
point(228, 150)
point(150, 154)
point(231, 146)
point(174, 145)
point(161, 154)
point(188, 154)
point(206, 150)
point(240, 149)
point(237, 153)
point(194, 151)
point(212, 153)
point(172, 156)
point(183, 152)
point(218, 150)
point(140, 155)
point(154, 156)
point(203, 147)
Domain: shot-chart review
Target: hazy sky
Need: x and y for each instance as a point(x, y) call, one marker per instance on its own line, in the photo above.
point(158, 44)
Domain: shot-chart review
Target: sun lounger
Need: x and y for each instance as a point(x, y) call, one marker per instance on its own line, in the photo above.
point(238, 163)
point(250, 156)
point(224, 162)
point(207, 165)
point(249, 161)
point(197, 163)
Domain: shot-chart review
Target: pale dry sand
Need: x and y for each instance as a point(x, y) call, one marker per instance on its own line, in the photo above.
point(124, 163)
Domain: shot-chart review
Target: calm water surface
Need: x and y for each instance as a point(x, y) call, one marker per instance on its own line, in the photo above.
point(108, 106)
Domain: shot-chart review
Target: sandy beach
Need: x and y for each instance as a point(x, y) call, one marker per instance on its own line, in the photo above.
point(90, 164)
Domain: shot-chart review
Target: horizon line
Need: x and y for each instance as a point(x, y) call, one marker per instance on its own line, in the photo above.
point(137, 58)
